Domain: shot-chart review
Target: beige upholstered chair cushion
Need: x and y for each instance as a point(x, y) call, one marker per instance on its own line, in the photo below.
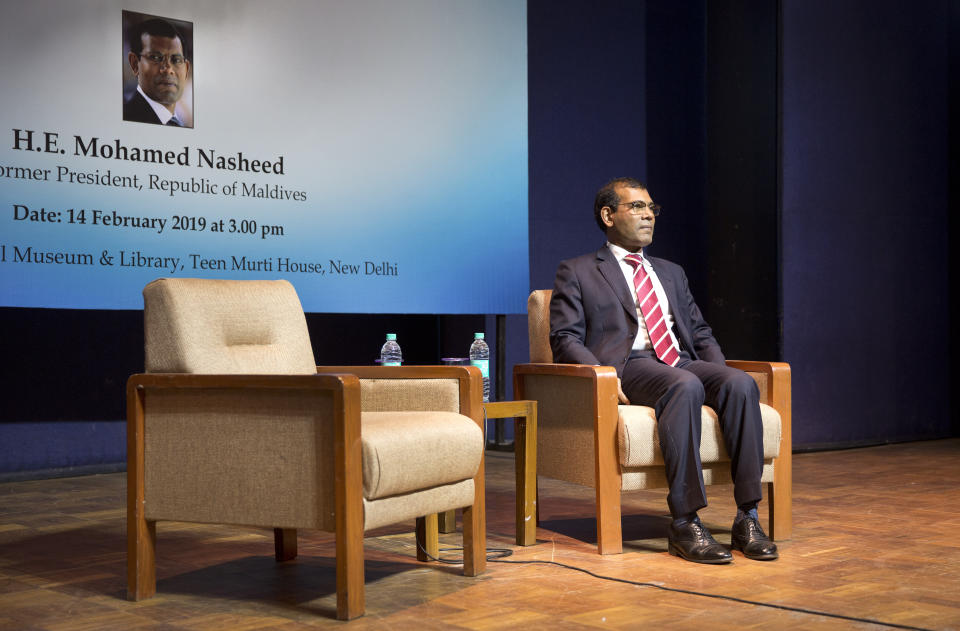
point(640, 442)
point(397, 508)
point(212, 326)
point(409, 451)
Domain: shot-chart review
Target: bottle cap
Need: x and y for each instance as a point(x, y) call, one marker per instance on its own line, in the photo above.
point(478, 336)
point(391, 336)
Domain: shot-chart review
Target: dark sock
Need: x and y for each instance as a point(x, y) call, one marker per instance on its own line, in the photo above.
point(747, 510)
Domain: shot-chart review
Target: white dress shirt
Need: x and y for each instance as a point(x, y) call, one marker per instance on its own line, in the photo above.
point(161, 110)
point(642, 341)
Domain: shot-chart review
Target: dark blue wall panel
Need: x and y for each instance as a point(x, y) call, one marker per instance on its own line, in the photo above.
point(60, 448)
point(676, 42)
point(865, 215)
point(587, 96)
point(742, 183)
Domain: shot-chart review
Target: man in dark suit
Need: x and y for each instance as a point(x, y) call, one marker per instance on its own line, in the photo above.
point(618, 307)
point(157, 60)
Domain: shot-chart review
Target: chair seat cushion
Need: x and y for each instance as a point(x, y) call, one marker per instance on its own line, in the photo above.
point(639, 441)
point(411, 451)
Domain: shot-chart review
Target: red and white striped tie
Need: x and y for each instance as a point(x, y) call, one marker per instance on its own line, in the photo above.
point(660, 338)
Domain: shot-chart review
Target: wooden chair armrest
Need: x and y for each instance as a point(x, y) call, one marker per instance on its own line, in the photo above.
point(779, 398)
point(345, 387)
point(327, 381)
point(469, 377)
point(565, 370)
point(604, 416)
point(348, 475)
point(604, 378)
point(778, 392)
point(604, 408)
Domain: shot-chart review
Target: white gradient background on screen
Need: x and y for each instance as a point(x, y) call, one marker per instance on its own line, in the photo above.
point(404, 122)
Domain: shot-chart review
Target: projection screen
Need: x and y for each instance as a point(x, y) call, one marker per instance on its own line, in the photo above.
point(374, 153)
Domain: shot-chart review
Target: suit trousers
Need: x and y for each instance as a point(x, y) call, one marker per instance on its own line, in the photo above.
point(676, 394)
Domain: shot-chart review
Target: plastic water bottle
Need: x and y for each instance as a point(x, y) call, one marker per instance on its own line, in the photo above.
point(390, 353)
point(480, 357)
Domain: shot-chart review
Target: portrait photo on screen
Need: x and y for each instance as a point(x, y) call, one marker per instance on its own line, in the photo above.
point(157, 70)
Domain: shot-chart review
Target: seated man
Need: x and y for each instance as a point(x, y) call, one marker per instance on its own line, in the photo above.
point(617, 307)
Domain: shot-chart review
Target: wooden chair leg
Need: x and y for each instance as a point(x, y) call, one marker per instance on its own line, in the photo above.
point(537, 486)
point(525, 445)
point(348, 495)
point(284, 544)
point(771, 503)
point(779, 494)
point(351, 600)
point(428, 540)
point(475, 528)
point(447, 521)
point(141, 534)
point(609, 534)
point(141, 559)
point(474, 541)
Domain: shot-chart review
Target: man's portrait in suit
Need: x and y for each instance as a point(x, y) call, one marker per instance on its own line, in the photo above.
point(158, 86)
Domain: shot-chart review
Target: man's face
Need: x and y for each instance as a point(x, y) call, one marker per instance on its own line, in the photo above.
point(625, 229)
point(164, 81)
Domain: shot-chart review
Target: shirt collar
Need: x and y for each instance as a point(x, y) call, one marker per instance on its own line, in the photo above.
point(159, 109)
point(621, 253)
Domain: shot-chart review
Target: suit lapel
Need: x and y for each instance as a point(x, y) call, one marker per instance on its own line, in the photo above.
point(610, 270)
point(669, 284)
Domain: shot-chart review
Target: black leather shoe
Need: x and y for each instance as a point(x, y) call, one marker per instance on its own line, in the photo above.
point(693, 542)
point(748, 537)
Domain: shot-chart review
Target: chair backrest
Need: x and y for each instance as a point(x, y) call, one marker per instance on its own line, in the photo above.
point(212, 326)
point(538, 326)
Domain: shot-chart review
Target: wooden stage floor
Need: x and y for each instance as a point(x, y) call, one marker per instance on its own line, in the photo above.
point(876, 536)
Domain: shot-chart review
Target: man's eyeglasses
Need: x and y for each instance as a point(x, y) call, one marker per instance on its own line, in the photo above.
point(637, 208)
point(156, 58)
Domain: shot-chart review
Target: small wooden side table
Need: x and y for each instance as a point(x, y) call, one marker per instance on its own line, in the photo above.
point(524, 414)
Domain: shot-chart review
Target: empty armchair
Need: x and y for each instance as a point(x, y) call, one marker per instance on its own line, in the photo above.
point(234, 423)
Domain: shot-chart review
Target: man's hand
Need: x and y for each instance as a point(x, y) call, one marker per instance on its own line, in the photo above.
point(620, 395)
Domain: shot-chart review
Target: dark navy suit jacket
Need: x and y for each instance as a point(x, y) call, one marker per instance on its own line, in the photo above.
point(137, 109)
point(593, 316)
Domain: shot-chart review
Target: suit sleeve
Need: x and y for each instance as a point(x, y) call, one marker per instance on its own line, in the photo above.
point(568, 326)
point(704, 344)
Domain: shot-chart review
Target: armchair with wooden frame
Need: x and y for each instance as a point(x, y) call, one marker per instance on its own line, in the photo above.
point(233, 423)
point(586, 437)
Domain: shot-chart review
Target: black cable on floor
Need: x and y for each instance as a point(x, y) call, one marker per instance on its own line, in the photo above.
point(501, 553)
